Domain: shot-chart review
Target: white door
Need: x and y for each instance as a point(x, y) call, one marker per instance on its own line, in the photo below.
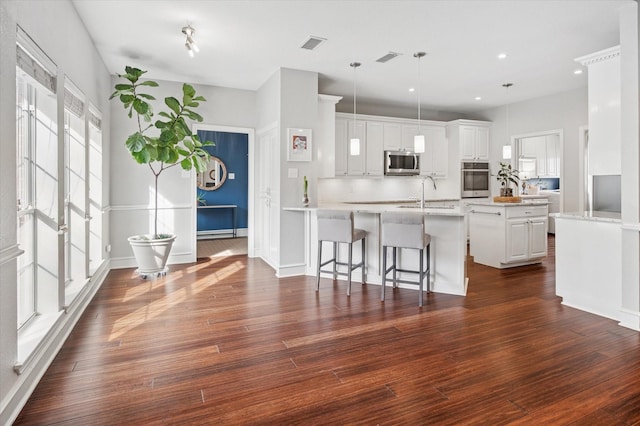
point(268, 197)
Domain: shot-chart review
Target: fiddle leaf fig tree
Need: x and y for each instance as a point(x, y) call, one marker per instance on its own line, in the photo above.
point(171, 142)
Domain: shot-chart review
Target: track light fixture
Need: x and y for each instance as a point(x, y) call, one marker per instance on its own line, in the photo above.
point(190, 43)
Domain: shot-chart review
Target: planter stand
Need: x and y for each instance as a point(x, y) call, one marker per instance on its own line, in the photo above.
point(151, 254)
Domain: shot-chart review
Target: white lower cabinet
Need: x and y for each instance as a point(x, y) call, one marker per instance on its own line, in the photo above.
point(504, 235)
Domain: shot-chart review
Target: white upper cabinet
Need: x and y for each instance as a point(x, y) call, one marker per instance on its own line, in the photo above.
point(342, 146)
point(392, 136)
point(374, 149)
point(409, 131)
point(474, 142)
point(435, 160)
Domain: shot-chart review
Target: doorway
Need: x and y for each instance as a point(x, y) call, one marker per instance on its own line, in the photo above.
point(236, 221)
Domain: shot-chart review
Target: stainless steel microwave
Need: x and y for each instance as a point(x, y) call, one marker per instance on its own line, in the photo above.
point(401, 163)
point(475, 180)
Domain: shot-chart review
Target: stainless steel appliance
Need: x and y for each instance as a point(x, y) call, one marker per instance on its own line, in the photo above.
point(401, 163)
point(475, 180)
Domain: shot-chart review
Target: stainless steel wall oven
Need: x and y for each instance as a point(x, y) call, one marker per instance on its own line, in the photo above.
point(475, 180)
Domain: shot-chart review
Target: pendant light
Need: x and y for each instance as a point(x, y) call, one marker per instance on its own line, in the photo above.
point(506, 149)
point(354, 143)
point(418, 140)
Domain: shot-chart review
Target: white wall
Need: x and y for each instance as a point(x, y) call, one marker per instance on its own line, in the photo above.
point(57, 29)
point(566, 111)
point(630, 137)
point(132, 184)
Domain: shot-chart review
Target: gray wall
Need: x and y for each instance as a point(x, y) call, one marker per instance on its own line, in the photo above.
point(566, 111)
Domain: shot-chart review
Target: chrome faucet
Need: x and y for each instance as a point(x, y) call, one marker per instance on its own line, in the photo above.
point(422, 191)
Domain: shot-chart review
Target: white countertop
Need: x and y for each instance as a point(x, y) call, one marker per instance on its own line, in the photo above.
point(531, 202)
point(380, 208)
point(595, 216)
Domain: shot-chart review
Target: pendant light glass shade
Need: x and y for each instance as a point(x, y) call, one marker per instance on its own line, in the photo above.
point(418, 140)
point(418, 144)
point(354, 146)
point(354, 143)
point(506, 152)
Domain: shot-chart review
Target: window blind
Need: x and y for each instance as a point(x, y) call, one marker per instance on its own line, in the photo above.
point(34, 62)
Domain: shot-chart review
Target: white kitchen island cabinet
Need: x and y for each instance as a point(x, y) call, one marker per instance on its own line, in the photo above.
point(445, 224)
point(504, 235)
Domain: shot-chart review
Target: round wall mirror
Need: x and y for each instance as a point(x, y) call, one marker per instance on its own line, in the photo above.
point(215, 175)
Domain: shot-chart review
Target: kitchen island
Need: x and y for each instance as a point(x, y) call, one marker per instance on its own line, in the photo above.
point(505, 235)
point(446, 223)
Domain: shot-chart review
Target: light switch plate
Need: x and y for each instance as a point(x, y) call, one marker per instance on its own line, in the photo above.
point(293, 173)
point(232, 175)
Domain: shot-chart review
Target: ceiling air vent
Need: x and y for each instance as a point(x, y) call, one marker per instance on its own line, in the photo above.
point(386, 58)
point(312, 42)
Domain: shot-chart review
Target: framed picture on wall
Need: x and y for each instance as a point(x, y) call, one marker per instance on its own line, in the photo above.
point(298, 144)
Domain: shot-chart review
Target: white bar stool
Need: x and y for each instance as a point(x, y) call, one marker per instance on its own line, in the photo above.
point(405, 230)
point(337, 226)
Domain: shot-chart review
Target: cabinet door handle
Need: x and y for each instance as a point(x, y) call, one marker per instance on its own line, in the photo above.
point(493, 213)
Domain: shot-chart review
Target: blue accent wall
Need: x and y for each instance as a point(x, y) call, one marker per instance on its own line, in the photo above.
point(233, 150)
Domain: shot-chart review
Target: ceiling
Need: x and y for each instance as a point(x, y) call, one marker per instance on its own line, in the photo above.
point(243, 43)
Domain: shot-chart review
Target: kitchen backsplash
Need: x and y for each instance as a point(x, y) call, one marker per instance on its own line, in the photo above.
point(331, 190)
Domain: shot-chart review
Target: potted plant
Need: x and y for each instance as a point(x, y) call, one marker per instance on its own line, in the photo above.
point(506, 176)
point(169, 144)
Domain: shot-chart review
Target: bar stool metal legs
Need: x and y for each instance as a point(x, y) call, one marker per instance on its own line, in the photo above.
point(405, 230)
point(337, 226)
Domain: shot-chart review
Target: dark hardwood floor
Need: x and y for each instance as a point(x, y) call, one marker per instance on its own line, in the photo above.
point(225, 342)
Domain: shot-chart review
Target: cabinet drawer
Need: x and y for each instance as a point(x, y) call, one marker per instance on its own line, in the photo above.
point(528, 211)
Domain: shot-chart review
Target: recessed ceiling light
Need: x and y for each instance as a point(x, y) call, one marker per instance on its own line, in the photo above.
point(478, 98)
point(411, 89)
point(502, 56)
point(577, 72)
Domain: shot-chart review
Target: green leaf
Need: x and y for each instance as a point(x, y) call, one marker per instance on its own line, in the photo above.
point(186, 164)
point(126, 99)
point(135, 142)
point(140, 106)
point(188, 90)
point(183, 152)
point(194, 116)
point(173, 104)
point(173, 155)
point(163, 153)
point(146, 96)
point(141, 157)
point(189, 145)
point(199, 98)
point(122, 86)
point(200, 164)
point(153, 152)
point(167, 137)
point(161, 124)
point(165, 115)
point(149, 83)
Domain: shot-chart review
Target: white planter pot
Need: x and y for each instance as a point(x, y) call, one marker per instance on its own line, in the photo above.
point(151, 254)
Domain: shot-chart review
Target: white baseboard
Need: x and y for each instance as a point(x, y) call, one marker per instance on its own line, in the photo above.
point(629, 319)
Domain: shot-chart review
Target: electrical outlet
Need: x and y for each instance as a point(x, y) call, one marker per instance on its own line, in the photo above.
point(107, 248)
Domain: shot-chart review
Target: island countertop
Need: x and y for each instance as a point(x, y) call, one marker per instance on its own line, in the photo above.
point(448, 210)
